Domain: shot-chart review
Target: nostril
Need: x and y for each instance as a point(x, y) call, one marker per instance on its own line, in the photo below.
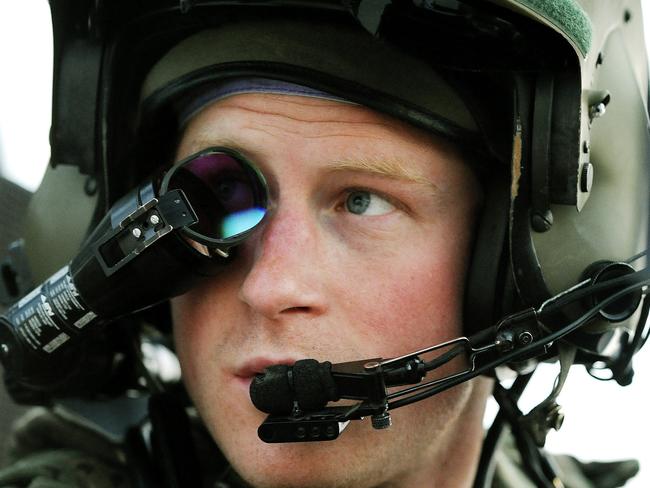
point(297, 310)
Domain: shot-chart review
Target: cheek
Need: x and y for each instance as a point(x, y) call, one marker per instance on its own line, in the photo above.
point(196, 339)
point(194, 314)
point(187, 336)
point(411, 298)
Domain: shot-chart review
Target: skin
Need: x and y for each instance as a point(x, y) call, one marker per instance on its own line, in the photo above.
point(317, 280)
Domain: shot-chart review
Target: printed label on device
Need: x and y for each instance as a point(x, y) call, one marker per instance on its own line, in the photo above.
point(48, 316)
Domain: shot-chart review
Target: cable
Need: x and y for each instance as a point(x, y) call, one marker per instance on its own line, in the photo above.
point(637, 256)
point(484, 472)
point(531, 457)
point(622, 368)
point(444, 358)
point(594, 289)
point(643, 322)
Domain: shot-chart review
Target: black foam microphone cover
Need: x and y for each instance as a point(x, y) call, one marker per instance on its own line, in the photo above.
point(313, 384)
point(307, 382)
point(271, 391)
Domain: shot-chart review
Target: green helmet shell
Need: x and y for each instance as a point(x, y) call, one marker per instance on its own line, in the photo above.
point(576, 138)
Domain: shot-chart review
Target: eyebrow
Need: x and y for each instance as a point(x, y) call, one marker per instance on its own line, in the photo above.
point(388, 168)
point(391, 168)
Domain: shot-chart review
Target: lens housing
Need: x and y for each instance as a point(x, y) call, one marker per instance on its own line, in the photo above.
point(226, 191)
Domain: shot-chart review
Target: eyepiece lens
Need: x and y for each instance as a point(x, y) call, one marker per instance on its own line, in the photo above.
point(227, 194)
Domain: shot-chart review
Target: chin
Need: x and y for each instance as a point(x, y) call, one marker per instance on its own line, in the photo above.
point(360, 457)
point(290, 466)
point(353, 460)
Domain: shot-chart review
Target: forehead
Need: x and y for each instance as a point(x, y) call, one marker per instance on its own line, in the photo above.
point(344, 136)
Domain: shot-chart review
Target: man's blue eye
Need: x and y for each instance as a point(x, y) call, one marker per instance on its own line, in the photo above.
point(358, 202)
point(361, 202)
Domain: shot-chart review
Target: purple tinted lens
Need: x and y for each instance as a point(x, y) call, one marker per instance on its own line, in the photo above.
point(228, 196)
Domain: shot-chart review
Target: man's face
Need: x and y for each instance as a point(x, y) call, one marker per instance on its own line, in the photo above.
point(362, 254)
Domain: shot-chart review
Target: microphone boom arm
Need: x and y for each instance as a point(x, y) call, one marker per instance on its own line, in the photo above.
point(517, 337)
point(368, 380)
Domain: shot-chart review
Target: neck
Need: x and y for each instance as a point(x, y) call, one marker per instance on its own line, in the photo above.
point(455, 464)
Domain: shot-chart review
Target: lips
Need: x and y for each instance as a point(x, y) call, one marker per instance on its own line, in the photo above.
point(256, 366)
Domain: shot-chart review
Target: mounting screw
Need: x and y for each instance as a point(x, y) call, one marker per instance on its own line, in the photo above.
point(137, 232)
point(90, 186)
point(525, 338)
point(381, 421)
point(4, 350)
point(542, 222)
point(597, 110)
point(371, 365)
point(555, 417)
point(154, 219)
point(586, 177)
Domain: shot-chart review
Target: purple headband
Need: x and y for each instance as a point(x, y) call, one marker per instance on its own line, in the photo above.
point(250, 85)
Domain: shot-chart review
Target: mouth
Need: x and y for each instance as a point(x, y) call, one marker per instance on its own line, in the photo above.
point(248, 370)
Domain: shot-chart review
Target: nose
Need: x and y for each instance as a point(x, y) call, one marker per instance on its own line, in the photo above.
point(285, 277)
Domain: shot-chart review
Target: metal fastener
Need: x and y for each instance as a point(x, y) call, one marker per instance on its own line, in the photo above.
point(4, 350)
point(525, 338)
point(371, 365)
point(555, 418)
point(154, 219)
point(381, 421)
point(542, 222)
point(137, 232)
point(597, 110)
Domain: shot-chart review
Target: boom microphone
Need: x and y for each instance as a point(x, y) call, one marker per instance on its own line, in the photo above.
point(296, 397)
point(309, 385)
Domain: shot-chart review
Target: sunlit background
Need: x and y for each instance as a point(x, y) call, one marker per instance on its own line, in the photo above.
point(603, 421)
